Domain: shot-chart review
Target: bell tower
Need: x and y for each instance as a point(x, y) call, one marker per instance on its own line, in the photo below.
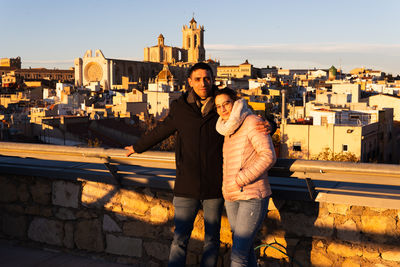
point(193, 41)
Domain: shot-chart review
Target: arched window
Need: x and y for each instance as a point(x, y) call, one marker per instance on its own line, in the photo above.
point(188, 41)
point(195, 41)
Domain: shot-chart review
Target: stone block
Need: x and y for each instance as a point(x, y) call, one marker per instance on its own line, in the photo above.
point(12, 208)
point(348, 231)
point(41, 192)
point(337, 208)
point(370, 253)
point(274, 215)
point(85, 214)
point(198, 228)
point(127, 246)
point(99, 195)
point(323, 226)
point(23, 193)
point(271, 252)
point(320, 259)
point(66, 194)
point(141, 229)
point(344, 250)
point(88, 235)
point(157, 250)
point(391, 254)
point(378, 225)
point(46, 231)
point(298, 224)
point(148, 194)
point(275, 204)
point(133, 202)
point(159, 214)
point(8, 190)
point(65, 214)
point(122, 217)
point(319, 244)
point(351, 263)
point(225, 233)
point(109, 225)
point(38, 210)
point(68, 235)
point(14, 226)
point(356, 210)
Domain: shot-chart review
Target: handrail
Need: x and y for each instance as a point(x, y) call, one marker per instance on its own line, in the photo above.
point(323, 170)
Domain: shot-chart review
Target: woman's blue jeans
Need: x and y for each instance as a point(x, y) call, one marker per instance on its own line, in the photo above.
point(185, 213)
point(245, 218)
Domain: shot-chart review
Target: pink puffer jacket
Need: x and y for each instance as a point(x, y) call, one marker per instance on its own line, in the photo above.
point(248, 155)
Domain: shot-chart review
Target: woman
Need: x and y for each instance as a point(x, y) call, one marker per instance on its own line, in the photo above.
point(248, 155)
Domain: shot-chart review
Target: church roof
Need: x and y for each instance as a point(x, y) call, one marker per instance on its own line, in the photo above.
point(193, 21)
point(165, 74)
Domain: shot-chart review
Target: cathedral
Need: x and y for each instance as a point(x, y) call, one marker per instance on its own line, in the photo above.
point(108, 72)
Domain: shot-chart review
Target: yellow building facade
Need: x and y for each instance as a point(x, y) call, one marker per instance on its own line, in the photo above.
point(241, 71)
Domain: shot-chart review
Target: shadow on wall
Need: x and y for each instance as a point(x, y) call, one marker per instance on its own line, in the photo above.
point(135, 224)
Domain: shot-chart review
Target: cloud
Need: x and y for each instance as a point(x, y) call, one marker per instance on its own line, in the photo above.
point(312, 55)
point(309, 48)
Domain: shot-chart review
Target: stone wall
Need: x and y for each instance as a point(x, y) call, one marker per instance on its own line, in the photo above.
point(135, 226)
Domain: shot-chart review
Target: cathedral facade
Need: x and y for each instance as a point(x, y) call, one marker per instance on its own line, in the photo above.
point(109, 72)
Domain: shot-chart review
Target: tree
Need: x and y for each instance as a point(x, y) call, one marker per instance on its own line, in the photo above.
point(329, 155)
point(166, 145)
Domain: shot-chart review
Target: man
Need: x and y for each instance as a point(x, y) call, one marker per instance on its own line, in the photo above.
point(198, 158)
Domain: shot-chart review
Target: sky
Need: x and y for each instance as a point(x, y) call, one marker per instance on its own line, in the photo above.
point(287, 34)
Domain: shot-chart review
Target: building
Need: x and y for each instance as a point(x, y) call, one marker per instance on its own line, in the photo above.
point(386, 101)
point(192, 50)
point(369, 136)
point(12, 63)
point(244, 70)
point(46, 74)
point(161, 93)
point(126, 105)
point(109, 73)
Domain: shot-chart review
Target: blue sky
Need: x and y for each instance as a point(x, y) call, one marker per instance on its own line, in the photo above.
point(287, 34)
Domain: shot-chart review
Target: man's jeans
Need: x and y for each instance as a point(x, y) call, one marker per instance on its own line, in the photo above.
point(245, 218)
point(185, 213)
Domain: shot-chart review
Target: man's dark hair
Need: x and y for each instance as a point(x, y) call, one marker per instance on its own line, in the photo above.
point(229, 92)
point(201, 66)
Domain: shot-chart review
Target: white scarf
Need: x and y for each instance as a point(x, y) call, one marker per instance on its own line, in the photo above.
point(239, 112)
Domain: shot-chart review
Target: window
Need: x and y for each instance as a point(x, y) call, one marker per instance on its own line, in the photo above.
point(345, 148)
point(296, 146)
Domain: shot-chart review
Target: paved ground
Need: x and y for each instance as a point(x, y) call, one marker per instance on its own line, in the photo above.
point(12, 255)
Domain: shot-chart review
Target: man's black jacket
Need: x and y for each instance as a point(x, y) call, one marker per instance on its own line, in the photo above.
point(198, 149)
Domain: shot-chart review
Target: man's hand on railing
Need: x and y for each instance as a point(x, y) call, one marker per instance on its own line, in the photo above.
point(130, 150)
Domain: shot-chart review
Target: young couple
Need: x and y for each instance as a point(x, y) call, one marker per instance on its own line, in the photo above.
point(222, 151)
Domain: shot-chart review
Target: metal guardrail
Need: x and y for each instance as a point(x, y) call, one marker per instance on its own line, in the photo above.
point(340, 182)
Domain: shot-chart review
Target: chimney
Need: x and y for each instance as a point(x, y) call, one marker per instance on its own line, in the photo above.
point(283, 114)
point(304, 104)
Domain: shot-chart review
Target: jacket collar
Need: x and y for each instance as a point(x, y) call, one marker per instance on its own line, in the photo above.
point(206, 106)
